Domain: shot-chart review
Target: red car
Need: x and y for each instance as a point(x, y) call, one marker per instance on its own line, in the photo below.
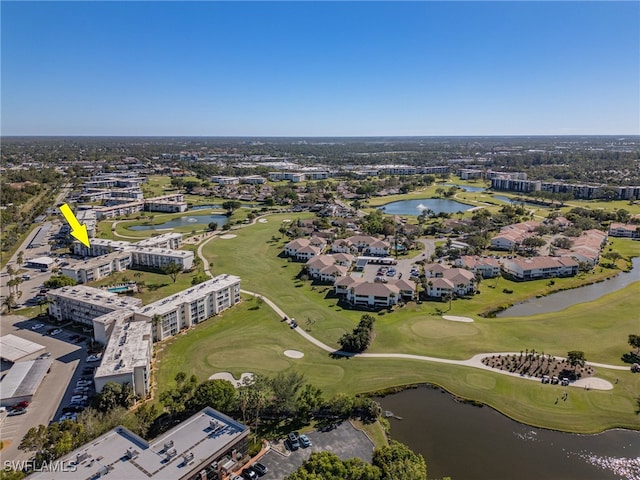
point(20, 405)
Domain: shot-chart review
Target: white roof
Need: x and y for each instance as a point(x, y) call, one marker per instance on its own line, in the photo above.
point(23, 379)
point(42, 260)
point(206, 434)
point(13, 348)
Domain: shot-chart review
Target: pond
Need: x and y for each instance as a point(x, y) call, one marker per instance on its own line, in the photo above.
point(186, 220)
point(464, 441)
point(205, 207)
point(466, 188)
point(561, 300)
point(415, 207)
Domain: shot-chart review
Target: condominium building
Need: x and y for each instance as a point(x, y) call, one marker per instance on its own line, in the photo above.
point(208, 445)
point(166, 240)
point(127, 356)
point(160, 258)
point(191, 306)
point(100, 246)
point(82, 304)
point(98, 268)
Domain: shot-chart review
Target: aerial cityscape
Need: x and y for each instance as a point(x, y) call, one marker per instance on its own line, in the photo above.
point(320, 240)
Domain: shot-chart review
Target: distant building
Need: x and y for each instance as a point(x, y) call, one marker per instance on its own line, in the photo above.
point(626, 230)
point(540, 267)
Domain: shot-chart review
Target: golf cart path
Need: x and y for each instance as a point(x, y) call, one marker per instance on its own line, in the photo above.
point(474, 362)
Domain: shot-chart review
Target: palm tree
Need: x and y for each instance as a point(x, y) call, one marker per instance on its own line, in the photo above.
point(9, 302)
point(42, 302)
point(155, 321)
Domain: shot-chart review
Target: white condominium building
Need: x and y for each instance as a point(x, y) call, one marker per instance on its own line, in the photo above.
point(160, 258)
point(82, 304)
point(166, 240)
point(99, 267)
point(191, 306)
point(127, 357)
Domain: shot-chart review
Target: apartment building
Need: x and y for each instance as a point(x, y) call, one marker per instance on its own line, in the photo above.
point(98, 267)
point(166, 240)
point(82, 304)
point(540, 267)
point(191, 306)
point(127, 356)
point(160, 258)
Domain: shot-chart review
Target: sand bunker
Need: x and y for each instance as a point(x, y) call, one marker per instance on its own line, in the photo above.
point(228, 236)
point(293, 354)
point(263, 220)
point(455, 318)
point(245, 378)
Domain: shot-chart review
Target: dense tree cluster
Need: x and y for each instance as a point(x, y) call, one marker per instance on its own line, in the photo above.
point(360, 339)
point(391, 462)
point(57, 281)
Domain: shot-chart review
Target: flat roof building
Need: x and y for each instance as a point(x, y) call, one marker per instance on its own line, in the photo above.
point(98, 267)
point(82, 304)
point(198, 448)
point(192, 306)
point(160, 258)
point(43, 263)
point(166, 240)
point(14, 348)
point(127, 356)
point(22, 380)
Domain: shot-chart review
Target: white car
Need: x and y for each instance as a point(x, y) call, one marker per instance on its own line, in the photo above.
point(37, 326)
point(83, 383)
point(93, 358)
point(57, 331)
point(79, 398)
point(68, 416)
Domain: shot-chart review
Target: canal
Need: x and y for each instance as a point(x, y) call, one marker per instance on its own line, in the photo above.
point(468, 442)
point(561, 300)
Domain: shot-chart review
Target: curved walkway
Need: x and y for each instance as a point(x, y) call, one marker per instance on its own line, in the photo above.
point(474, 362)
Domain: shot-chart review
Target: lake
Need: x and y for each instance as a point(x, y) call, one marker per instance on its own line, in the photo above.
point(468, 442)
point(561, 300)
point(186, 220)
point(415, 207)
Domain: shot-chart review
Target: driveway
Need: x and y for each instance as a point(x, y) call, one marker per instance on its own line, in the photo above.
point(345, 441)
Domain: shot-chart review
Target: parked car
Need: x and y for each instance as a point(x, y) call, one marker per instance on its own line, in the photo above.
point(57, 331)
point(304, 441)
point(293, 442)
point(17, 411)
point(259, 468)
point(93, 358)
point(79, 398)
point(45, 355)
point(68, 416)
point(249, 474)
point(24, 404)
point(37, 326)
point(74, 409)
point(83, 383)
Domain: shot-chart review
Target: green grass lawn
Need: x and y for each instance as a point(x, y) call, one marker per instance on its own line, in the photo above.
point(250, 339)
point(418, 328)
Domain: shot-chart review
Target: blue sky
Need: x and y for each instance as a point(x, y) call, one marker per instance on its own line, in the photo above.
point(320, 68)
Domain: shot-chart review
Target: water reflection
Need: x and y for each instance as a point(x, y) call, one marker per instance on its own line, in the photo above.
point(561, 300)
point(467, 442)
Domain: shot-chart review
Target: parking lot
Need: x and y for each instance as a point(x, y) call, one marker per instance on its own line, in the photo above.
point(345, 441)
point(402, 270)
point(56, 389)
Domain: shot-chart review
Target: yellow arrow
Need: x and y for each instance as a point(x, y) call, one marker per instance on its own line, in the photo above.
point(77, 230)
